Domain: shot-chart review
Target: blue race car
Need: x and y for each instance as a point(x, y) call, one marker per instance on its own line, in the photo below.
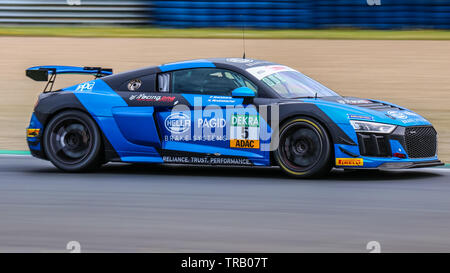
point(224, 111)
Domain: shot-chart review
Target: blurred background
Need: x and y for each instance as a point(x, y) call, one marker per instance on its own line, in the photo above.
point(393, 50)
point(294, 14)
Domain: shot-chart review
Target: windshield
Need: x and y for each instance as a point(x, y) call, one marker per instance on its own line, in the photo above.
point(290, 83)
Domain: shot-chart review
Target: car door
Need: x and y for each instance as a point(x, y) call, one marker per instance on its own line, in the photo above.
point(137, 137)
point(209, 126)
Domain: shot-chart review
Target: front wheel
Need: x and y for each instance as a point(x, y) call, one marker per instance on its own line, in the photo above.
point(304, 149)
point(72, 141)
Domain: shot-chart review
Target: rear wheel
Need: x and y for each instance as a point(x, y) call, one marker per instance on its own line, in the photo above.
point(304, 149)
point(72, 141)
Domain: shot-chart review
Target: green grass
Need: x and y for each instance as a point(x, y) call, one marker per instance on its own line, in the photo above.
point(143, 32)
point(11, 152)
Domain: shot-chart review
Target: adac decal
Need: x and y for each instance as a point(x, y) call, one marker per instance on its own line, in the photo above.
point(349, 162)
point(244, 143)
point(244, 131)
point(351, 116)
point(33, 132)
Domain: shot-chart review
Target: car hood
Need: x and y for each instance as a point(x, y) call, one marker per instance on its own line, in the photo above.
point(343, 109)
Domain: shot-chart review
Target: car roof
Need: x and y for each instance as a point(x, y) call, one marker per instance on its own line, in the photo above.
point(236, 64)
point(239, 63)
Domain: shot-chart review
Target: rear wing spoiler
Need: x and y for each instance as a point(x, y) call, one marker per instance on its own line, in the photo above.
point(48, 73)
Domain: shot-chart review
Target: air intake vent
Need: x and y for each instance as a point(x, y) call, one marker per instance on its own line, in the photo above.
point(378, 106)
point(374, 145)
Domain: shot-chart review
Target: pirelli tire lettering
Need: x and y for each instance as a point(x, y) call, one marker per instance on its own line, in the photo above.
point(244, 131)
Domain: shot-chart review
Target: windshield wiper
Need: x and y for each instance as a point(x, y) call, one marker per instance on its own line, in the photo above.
point(307, 97)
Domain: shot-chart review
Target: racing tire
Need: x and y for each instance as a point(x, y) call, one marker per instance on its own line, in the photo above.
point(72, 142)
point(304, 149)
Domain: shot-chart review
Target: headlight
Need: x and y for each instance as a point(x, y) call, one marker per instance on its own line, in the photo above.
point(372, 127)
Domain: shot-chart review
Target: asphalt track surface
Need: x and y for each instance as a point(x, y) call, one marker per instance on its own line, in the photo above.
point(151, 208)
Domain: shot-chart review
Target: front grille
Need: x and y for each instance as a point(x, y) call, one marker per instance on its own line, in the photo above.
point(421, 141)
point(374, 145)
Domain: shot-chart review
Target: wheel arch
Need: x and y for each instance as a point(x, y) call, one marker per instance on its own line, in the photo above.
point(57, 102)
point(290, 110)
point(105, 144)
point(285, 118)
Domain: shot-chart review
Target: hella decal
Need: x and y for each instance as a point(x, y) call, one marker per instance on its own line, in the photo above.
point(178, 123)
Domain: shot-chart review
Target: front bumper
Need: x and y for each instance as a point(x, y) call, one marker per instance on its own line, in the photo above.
point(410, 165)
point(417, 145)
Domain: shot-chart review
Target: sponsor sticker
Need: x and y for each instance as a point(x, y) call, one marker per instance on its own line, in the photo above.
point(354, 101)
point(211, 123)
point(239, 60)
point(87, 86)
point(349, 162)
point(263, 71)
point(177, 123)
point(33, 132)
point(244, 131)
point(397, 114)
point(244, 143)
point(134, 85)
point(207, 160)
point(245, 121)
point(351, 116)
point(151, 98)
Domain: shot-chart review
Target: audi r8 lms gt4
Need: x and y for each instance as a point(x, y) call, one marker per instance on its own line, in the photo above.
point(222, 111)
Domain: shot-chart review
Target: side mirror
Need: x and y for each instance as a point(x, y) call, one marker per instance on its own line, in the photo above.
point(243, 92)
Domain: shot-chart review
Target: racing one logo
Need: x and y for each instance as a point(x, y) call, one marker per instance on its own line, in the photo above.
point(178, 123)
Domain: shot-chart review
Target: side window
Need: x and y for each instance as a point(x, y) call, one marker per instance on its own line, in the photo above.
point(141, 84)
point(208, 81)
